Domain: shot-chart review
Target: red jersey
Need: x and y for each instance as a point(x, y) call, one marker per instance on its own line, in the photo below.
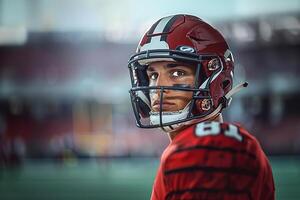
point(211, 161)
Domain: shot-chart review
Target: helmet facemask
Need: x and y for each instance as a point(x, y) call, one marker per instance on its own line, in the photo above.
point(198, 107)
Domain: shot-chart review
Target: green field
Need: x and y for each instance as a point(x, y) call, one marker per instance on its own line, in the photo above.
point(112, 179)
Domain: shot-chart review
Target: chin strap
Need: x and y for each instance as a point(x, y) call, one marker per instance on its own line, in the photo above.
point(171, 116)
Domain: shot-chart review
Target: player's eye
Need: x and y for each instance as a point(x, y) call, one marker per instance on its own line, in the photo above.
point(177, 73)
point(153, 76)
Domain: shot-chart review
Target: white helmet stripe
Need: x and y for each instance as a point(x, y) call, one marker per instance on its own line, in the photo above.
point(155, 42)
point(161, 25)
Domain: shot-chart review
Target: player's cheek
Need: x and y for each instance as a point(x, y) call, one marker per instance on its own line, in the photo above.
point(183, 99)
point(183, 95)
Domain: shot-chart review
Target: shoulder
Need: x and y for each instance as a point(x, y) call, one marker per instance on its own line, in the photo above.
point(216, 135)
point(207, 154)
point(208, 140)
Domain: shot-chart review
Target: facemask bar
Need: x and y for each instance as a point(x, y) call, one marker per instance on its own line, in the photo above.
point(176, 55)
point(160, 110)
point(197, 85)
point(164, 53)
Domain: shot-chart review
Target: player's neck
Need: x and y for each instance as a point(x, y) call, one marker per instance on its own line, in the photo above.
point(172, 135)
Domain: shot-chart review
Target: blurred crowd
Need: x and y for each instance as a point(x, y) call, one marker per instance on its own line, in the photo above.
point(65, 95)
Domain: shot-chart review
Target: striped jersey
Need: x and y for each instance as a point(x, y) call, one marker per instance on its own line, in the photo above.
point(212, 161)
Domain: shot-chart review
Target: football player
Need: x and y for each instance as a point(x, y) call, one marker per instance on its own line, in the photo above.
point(182, 79)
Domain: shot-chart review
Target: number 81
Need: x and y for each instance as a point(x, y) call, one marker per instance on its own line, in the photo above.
point(215, 128)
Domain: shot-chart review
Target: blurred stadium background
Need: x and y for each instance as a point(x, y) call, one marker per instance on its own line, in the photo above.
point(66, 126)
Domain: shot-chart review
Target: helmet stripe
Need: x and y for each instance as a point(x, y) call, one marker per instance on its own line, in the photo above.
point(168, 27)
point(151, 30)
point(162, 26)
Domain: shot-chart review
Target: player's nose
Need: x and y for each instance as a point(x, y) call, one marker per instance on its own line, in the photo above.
point(163, 80)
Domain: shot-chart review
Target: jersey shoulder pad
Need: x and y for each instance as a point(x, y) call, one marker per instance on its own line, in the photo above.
point(207, 158)
point(213, 142)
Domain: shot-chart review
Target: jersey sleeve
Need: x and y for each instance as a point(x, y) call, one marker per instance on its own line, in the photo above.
point(216, 166)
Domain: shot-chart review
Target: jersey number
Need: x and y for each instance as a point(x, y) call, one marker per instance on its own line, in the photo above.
point(214, 128)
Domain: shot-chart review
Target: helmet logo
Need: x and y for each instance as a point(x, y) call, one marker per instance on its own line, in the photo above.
point(213, 64)
point(205, 104)
point(187, 49)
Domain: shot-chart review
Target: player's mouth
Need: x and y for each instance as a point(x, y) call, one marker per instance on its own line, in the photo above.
point(165, 106)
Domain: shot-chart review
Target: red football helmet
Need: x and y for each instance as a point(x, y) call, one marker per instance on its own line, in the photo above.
point(186, 39)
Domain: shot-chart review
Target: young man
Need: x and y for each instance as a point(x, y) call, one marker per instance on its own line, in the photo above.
point(181, 80)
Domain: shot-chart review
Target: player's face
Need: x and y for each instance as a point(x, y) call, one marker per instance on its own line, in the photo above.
point(170, 74)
